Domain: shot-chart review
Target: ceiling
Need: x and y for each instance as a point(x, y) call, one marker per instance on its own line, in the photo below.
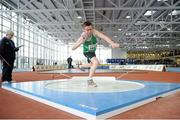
point(135, 24)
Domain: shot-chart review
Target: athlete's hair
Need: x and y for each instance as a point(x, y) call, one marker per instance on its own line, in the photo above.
point(87, 23)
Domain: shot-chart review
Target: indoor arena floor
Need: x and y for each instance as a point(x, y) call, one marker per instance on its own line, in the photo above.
point(110, 98)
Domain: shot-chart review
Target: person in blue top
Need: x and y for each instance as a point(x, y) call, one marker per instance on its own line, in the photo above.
point(89, 41)
point(7, 55)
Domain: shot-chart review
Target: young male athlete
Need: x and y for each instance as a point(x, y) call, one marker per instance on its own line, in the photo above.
point(89, 41)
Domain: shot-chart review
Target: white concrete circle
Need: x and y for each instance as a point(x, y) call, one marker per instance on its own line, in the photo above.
point(105, 84)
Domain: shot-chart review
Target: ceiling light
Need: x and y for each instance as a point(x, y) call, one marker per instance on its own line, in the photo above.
point(168, 29)
point(79, 17)
point(128, 34)
point(139, 22)
point(162, 0)
point(165, 45)
point(28, 19)
point(142, 47)
point(128, 16)
point(149, 12)
point(143, 34)
point(174, 12)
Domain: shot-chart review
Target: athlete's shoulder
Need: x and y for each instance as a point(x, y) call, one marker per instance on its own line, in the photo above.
point(97, 33)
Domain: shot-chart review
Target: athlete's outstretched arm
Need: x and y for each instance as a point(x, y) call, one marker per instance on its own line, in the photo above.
point(106, 38)
point(78, 43)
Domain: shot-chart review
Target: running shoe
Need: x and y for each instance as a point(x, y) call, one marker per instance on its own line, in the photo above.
point(91, 83)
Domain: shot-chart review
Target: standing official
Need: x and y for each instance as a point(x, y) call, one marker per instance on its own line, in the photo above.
point(7, 55)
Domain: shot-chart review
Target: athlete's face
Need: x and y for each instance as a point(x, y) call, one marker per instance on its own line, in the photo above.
point(88, 30)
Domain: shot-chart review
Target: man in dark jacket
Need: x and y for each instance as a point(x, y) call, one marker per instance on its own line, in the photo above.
point(69, 61)
point(7, 56)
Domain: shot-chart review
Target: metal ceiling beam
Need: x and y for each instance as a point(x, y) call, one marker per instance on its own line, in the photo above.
point(139, 15)
point(94, 13)
point(153, 20)
point(110, 21)
point(74, 32)
point(95, 9)
point(24, 6)
point(112, 3)
point(83, 10)
point(66, 37)
point(97, 23)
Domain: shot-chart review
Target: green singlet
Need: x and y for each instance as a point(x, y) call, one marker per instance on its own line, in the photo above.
point(90, 44)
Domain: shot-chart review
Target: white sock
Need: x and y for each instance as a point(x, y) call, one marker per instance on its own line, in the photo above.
point(89, 78)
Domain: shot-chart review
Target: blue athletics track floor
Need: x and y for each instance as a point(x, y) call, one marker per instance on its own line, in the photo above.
point(111, 97)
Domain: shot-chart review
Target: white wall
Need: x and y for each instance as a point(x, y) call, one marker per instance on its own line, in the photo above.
point(119, 53)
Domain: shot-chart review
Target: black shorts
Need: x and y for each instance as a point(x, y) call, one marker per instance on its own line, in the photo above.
point(89, 55)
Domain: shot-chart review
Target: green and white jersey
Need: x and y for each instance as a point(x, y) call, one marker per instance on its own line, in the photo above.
point(90, 44)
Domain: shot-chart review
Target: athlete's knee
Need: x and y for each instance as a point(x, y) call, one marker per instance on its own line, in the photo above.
point(96, 62)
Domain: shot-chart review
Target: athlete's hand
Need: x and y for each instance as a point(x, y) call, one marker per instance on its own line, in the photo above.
point(85, 35)
point(114, 45)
